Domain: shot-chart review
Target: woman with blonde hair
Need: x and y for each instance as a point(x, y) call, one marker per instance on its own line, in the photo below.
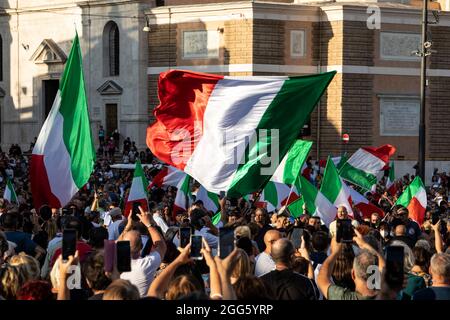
point(121, 290)
point(10, 282)
point(27, 265)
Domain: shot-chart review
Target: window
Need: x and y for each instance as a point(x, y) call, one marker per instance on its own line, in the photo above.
point(297, 43)
point(200, 44)
point(111, 49)
point(399, 116)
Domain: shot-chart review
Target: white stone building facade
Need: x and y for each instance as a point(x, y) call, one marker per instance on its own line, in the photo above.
point(36, 37)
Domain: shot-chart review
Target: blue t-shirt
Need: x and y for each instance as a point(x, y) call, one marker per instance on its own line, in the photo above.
point(433, 293)
point(23, 241)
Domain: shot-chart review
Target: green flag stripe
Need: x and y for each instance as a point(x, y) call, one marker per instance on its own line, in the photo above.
point(410, 192)
point(309, 194)
point(296, 157)
point(358, 177)
point(76, 127)
point(287, 113)
point(270, 194)
point(331, 183)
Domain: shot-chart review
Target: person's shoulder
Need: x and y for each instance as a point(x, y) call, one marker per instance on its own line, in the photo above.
point(424, 294)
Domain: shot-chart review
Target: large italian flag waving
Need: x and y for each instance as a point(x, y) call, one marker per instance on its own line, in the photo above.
point(415, 199)
point(212, 127)
point(362, 167)
point(138, 190)
point(63, 156)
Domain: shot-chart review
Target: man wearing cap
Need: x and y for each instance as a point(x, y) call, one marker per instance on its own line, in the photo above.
point(113, 228)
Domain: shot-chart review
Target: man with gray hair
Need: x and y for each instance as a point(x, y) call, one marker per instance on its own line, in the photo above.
point(285, 283)
point(365, 264)
point(440, 274)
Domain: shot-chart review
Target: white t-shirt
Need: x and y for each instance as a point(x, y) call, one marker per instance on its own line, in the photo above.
point(264, 264)
point(143, 272)
point(213, 241)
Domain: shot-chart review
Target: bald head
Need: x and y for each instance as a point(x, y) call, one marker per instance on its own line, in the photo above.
point(342, 213)
point(269, 238)
point(135, 242)
point(282, 251)
point(400, 230)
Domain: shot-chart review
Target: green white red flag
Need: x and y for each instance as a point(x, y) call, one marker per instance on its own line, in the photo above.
point(183, 199)
point(334, 188)
point(316, 202)
point(138, 191)
point(289, 168)
point(364, 165)
point(211, 126)
point(9, 193)
point(415, 199)
point(168, 177)
point(63, 157)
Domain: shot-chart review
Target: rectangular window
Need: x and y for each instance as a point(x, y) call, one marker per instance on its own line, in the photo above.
point(297, 43)
point(200, 44)
point(399, 46)
point(399, 116)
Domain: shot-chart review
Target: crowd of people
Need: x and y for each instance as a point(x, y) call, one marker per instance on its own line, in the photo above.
point(275, 257)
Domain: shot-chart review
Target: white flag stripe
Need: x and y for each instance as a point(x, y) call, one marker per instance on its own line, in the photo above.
point(365, 161)
point(247, 102)
point(325, 209)
point(421, 196)
point(137, 191)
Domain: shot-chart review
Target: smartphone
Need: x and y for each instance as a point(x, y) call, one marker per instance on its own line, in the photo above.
point(69, 243)
point(123, 256)
point(344, 231)
point(443, 227)
point(434, 217)
point(394, 266)
point(109, 255)
point(135, 211)
point(196, 247)
point(226, 242)
point(185, 236)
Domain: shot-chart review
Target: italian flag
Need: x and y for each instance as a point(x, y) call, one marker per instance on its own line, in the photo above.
point(183, 199)
point(289, 168)
point(64, 155)
point(390, 182)
point(362, 167)
point(210, 200)
point(364, 206)
point(168, 176)
point(334, 188)
point(221, 130)
point(9, 193)
point(275, 195)
point(316, 202)
point(138, 190)
point(415, 199)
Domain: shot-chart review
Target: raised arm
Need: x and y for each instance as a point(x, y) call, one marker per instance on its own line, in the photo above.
point(161, 283)
point(159, 244)
point(438, 237)
point(323, 279)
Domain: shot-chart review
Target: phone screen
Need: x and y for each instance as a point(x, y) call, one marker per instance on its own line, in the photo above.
point(226, 242)
point(135, 211)
point(123, 256)
point(196, 247)
point(69, 243)
point(443, 226)
point(434, 217)
point(185, 236)
point(344, 232)
point(109, 249)
point(394, 265)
